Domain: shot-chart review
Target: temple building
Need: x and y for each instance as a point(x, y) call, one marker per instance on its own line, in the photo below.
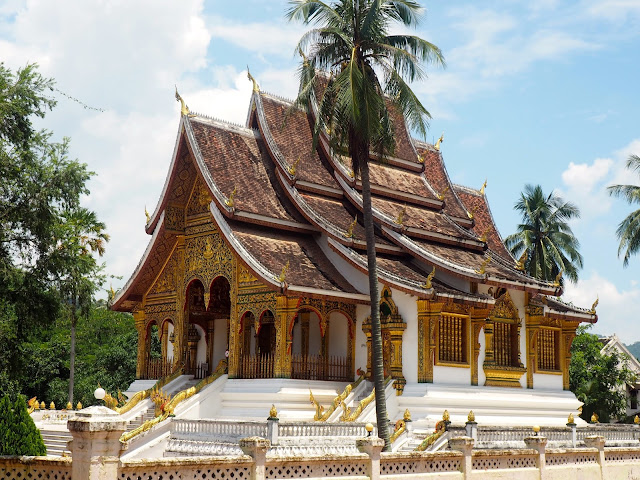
point(257, 256)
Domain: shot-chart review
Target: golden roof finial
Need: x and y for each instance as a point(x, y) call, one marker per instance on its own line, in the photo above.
point(483, 237)
point(230, 202)
point(349, 233)
point(556, 282)
point(593, 307)
point(305, 60)
point(483, 266)
point(407, 415)
point(292, 168)
point(570, 419)
point(441, 194)
point(440, 140)
point(420, 159)
point(427, 283)
point(112, 292)
point(146, 214)
point(471, 417)
point(523, 259)
point(400, 218)
point(273, 413)
point(283, 274)
point(470, 214)
point(352, 174)
point(184, 110)
point(256, 88)
point(484, 185)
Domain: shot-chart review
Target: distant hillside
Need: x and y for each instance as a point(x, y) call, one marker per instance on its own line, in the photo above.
point(634, 348)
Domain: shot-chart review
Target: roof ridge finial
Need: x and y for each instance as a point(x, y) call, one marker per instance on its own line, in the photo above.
point(427, 284)
point(593, 307)
point(440, 140)
point(146, 214)
point(556, 283)
point(184, 110)
point(484, 185)
point(256, 88)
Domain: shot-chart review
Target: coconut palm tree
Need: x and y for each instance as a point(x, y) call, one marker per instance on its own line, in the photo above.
point(628, 231)
point(544, 240)
point(360, 73)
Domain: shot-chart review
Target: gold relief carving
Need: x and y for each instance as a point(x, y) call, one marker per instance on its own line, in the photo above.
point(174, 218)
point(244, 275)
point(200, 198)
point(535, 310)
point(256, 303)
point(208, 257)
point(428, 315)
point(193, 230)
point(167, 280)
point(505, 308)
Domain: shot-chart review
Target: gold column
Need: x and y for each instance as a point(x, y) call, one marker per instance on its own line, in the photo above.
point(428, 317)
point(304, 334)
point(533, 318)
point(210, 341)
point(568, 334)
point(366, 328)
point(234, 341)
point(143, 354)
point(396, 330)
point(478, 317)
point(164, 336)
point(179, 329)
point(285, 311)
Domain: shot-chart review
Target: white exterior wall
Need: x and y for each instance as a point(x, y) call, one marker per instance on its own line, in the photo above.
point(219, 340)
point(451, 375)
point(315, 337)
point(338, 334)
point(481, 356)
point(546, 381)
point(408, 310)
point(518, 298)
point(362, 312)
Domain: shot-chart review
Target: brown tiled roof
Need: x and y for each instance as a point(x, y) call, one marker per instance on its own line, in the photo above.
point(418, 217)
point(335, 212)
point(476, 202)
point(403, 148)
point(237, 159)
point(292, 133)
point(308, 265)
point(436, 175)
point(399, 179)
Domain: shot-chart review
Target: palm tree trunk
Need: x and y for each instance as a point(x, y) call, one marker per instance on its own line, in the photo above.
point(376, 334)
point(72, 360)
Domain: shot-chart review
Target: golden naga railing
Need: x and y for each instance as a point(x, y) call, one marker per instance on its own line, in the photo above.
point(321, 415)
point(401, 426)
point(142, 394)
point(349, 415)
point(168, 408)
point(441, 427)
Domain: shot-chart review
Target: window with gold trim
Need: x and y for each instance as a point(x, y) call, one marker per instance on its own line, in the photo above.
point(453, 339)
point(548, 349)
point(505, 340)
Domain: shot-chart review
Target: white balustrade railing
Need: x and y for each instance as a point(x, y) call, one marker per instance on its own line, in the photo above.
point(211, 429)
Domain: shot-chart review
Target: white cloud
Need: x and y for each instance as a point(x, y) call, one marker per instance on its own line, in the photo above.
point(616, 307)
point(613, 10)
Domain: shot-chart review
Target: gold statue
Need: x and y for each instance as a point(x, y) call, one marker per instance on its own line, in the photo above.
point(208, 251)
point(146, 214)
point(427, 284)
point(484, 185)
point(407, 415)
point(349, 233)
point(256, 88)
point(273, 413)
point(556, 283)
point(595, 418)
point(445, 416)
point(401, 215)
point(283, 274)
point(230, 202)
point(440, 140)
point(636, 420)
point(570, 420)
point(184, 110)
point(441, 194)
point(292, 168)
point(520, 263)
point(593, 307)
point(483, 266)
point(471, 417)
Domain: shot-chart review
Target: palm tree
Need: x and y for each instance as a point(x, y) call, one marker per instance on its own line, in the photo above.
point(544, 240)
point(628, 231)
point(368, 73)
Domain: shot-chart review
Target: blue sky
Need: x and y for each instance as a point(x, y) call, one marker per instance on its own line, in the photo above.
point(541, 92)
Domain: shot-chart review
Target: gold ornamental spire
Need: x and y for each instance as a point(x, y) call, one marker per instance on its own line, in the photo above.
point(440, 140)
point(427, 284)
point(184, 110)
point(146, 214)
point(256, 88)
point(484, 185)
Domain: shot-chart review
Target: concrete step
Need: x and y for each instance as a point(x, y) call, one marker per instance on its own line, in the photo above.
point(56, 441)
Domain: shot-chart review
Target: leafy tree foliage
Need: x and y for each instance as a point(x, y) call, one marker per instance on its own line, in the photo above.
point(544, 240)
point(598, 380)
point(628, 231)
point(370, 71)
point(48, 272)
point(18, 433)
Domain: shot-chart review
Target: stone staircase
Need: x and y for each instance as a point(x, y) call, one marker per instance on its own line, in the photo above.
point(148, 414)
point(56, 442)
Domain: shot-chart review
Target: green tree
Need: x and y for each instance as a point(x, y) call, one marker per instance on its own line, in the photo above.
point(628, 231)
point(598, 380)
point(544, 240)
point(78, 275)
point(369, 74)
point(18, 434)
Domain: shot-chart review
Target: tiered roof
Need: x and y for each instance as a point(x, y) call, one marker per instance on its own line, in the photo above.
point(278, 201)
